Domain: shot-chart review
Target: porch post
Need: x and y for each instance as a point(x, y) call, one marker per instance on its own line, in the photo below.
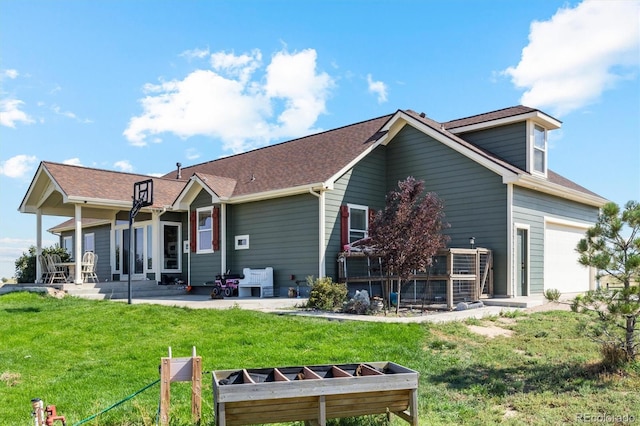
point(38, 278)
point(78, 245)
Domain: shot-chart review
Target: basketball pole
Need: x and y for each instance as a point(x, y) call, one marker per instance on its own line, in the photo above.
point(142, 197)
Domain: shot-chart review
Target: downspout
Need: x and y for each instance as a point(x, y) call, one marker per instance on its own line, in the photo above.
point(223, 237)
point(322, 270)
point(510, 253)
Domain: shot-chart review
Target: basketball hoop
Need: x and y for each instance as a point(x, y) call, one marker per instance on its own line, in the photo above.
point(142, 197)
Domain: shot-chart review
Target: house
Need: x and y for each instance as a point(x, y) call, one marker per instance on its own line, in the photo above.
point(292, 205)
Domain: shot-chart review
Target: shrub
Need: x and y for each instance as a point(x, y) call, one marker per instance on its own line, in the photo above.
point(325, 294)
point(552, 295)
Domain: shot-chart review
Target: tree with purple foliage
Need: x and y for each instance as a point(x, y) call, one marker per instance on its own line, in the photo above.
point(408, 232)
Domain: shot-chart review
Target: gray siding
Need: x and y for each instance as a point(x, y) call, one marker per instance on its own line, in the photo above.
point(102, 239)
point(364, 185)
point(530, 208)
point(507, 142)
point(475, 198)
point(204, 266)
point(283, 234)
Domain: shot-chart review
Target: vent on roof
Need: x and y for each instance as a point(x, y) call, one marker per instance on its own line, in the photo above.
point(423, 115)
point(179, 172)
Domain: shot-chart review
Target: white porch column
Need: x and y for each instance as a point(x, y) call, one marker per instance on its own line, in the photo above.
point(38, 278)
point(155, 245)
point(78, 245)
point(322, 247)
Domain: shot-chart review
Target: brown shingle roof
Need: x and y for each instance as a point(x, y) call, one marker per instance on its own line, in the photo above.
point(553, 177)
point(308, 160)
point(77, 181)
point(488, 116)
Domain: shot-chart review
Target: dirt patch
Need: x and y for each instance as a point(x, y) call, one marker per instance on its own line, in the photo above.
point(550, 306)
point(490, 331)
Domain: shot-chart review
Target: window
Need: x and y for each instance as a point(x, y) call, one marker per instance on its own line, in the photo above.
point(205, 231)
point(90, 242)
point(149, 247)
point(357, 222)
point(171, 247)
point(67, 244)
point(242, 242)
point(539, 149)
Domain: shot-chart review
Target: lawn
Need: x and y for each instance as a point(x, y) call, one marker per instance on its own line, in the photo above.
point(83, 356)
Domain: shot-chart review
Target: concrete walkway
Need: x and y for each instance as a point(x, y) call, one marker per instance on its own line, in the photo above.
point(287, 306)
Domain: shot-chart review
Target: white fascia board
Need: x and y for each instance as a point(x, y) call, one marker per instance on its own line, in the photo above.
point(540, 185)
point(544, 120)
point(101, 202)
point(332, 180)
point(278, 193)
point(188, 194)
point(570, 223)
point(41, 169)
point(483, 161)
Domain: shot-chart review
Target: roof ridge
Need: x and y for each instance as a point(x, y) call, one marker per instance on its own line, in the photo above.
point(490, 112)
point(98, 169)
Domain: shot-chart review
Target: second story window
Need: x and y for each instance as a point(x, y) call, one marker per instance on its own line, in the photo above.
point(539, 150)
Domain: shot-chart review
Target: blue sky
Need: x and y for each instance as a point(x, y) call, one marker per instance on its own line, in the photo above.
point(140, 85)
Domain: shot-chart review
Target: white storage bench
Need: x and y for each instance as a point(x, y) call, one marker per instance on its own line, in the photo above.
point(256, 278)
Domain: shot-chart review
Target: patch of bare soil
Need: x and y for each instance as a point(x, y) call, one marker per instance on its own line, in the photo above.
point(490, 331)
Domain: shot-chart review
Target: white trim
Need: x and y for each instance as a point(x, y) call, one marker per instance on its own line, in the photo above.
point(223, 237)
point(209, 210)
point(531, 149)
point(366, 218)
point(543, 119)
point(544, 186)
point(526, 227)
point(510, 277)
point(565, 222)
point(160, 245)
point(241, 242)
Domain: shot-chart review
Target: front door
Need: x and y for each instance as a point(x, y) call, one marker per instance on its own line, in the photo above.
point(522, 261)
point(137, 251)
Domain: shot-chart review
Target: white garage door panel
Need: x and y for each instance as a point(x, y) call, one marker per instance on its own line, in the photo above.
point(561, 268)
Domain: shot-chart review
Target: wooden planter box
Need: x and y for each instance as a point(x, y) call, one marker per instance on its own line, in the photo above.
point(314, 393)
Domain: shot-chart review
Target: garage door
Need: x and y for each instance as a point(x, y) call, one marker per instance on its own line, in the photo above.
point(561, 268)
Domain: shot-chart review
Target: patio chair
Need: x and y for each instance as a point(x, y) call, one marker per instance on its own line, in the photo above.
point(89, 261)
point(44, 269)
point(56, 274)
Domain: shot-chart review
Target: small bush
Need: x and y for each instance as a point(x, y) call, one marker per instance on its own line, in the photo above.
point(552, 295)
point(325, 294)
point(613, 356)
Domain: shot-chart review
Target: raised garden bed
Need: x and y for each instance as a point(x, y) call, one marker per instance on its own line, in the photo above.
point(314, 393)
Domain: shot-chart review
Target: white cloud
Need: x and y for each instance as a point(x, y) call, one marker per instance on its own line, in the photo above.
point(69, 114)
point(73, 162)
point(11, 73)
point(18, 166)
point(10, 113)
point(123, 166)
point(192, 154)
point(195, 53)
point(228, 103)
point(377, 88)
point(577, 54)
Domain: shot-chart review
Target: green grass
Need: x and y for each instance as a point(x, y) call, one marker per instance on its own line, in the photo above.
point(84, 356)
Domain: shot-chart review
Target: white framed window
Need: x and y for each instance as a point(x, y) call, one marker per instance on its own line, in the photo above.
point(242, 242)
point(171, 254)
point(539, 150)
point(358, 222)
point(205, 230)
point(67, 244)
point(90, 242)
